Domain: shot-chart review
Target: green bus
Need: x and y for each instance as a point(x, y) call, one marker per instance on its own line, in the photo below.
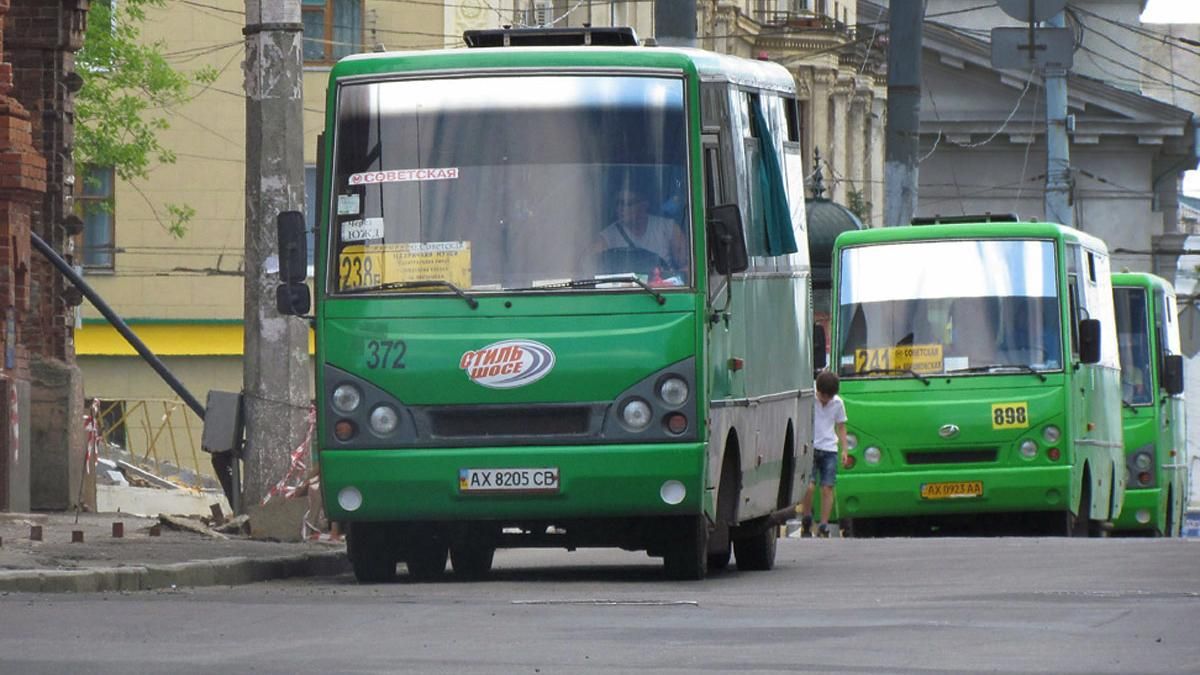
point(561, 300)
point(1151, 390)
point(980, 373)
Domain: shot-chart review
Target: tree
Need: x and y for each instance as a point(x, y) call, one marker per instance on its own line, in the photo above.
point(128, 87)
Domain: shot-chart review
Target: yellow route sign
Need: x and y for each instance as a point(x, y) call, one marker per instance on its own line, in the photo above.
point(371, 265)
point(917, 358)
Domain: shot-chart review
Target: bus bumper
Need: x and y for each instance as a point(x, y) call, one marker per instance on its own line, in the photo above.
point(1143, 510)
point(593, 481)
point(879, 495)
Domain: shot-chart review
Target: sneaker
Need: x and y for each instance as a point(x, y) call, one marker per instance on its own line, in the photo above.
point(806, 526)
point(823, 531)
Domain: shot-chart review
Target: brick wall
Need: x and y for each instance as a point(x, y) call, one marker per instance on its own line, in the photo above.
point(38, 41)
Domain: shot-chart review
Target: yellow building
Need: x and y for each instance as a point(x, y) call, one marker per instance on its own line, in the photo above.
point(183, 296)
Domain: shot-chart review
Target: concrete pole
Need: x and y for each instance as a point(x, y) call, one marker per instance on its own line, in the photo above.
point(675, 23)
point(275, 370)
point(903, 112)
point(1058, 160)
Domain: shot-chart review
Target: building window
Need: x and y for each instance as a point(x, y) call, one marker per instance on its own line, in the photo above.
point(95, 205)
point(332, 29)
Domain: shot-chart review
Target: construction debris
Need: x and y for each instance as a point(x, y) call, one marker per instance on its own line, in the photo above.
point(190, 524)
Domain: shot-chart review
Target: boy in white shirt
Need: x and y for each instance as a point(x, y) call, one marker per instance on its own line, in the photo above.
point(829, 441)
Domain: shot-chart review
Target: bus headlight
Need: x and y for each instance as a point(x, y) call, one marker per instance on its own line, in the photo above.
point(346, 398)
point(673, 391)
point(384, 420)
point(636, 414)
point(851, 441)
point(1142, 461)
point(1028, 449)
point(1051, 433)
point(872, 455)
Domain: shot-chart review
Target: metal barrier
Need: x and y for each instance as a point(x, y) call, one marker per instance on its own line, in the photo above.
point(155, 431)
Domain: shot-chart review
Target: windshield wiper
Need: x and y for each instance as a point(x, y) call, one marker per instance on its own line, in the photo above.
point(586, 283)
point(394, 285)
point(908, 371)
point(994, 366)
point(1129, 405)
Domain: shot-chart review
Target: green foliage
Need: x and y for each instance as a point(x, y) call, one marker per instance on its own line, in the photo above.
point(859, 206)
point(128, 87)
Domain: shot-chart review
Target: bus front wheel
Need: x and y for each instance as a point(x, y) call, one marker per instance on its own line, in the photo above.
point(472, 561)
point(686, 556)
point(371, 556)
point(426, 561)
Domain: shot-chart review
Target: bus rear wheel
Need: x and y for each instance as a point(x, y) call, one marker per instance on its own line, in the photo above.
point(756, 552)
point(686, 556)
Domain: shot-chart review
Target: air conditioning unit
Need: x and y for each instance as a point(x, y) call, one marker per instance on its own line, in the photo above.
point(538, 13)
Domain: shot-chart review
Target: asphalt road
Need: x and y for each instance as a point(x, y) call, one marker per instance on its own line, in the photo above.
point(1009, 605)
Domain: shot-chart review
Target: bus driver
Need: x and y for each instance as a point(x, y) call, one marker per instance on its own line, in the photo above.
point(636, 230)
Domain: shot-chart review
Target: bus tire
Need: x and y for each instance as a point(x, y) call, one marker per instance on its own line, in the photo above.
point(719, 548)
point(426, 560)
point(756, 553)
point(472, 561)
point(686, 556)
point(1168, 529)
point(371, 558)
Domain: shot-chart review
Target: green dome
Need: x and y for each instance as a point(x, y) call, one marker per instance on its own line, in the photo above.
point(826, 221)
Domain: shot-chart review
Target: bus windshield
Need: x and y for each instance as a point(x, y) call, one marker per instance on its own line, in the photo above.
point(510, 183)
point(949, 307)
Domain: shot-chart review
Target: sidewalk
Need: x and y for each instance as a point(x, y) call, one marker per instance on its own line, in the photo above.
point(139, 561)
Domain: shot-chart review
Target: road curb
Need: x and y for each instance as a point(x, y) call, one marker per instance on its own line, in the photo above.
point(216, 572)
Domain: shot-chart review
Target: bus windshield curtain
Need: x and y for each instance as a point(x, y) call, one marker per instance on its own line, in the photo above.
point(775, 211)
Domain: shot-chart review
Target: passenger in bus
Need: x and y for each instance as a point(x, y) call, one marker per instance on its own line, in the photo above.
point(829, 445)
point(639, 242)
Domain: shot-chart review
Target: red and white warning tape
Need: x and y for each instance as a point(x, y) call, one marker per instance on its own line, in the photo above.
point(295, 481)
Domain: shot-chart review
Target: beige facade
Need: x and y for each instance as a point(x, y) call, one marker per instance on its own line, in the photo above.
point(187, 292)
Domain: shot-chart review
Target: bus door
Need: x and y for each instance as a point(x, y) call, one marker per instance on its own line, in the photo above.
point(1173, 428)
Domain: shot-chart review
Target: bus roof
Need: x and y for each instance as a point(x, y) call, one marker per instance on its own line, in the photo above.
point(708, 66)
point(1026, 230)
point(1142, 280)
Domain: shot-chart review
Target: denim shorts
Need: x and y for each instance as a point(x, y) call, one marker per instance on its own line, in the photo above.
point(825, 467)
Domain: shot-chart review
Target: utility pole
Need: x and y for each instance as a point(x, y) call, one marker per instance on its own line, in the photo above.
point(903, 140)
point(904, 112)
point(1058, 160)
point(275, 370)
point(675, 23)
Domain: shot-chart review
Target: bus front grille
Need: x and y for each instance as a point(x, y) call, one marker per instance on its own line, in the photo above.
point(957, 456)
point(509, 422)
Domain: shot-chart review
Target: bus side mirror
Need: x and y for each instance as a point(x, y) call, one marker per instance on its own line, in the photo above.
point(293, 247)
point(292, 297)
point(1173, 374)
point(818, 347)
point(1089, 340)
point(726, 241)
